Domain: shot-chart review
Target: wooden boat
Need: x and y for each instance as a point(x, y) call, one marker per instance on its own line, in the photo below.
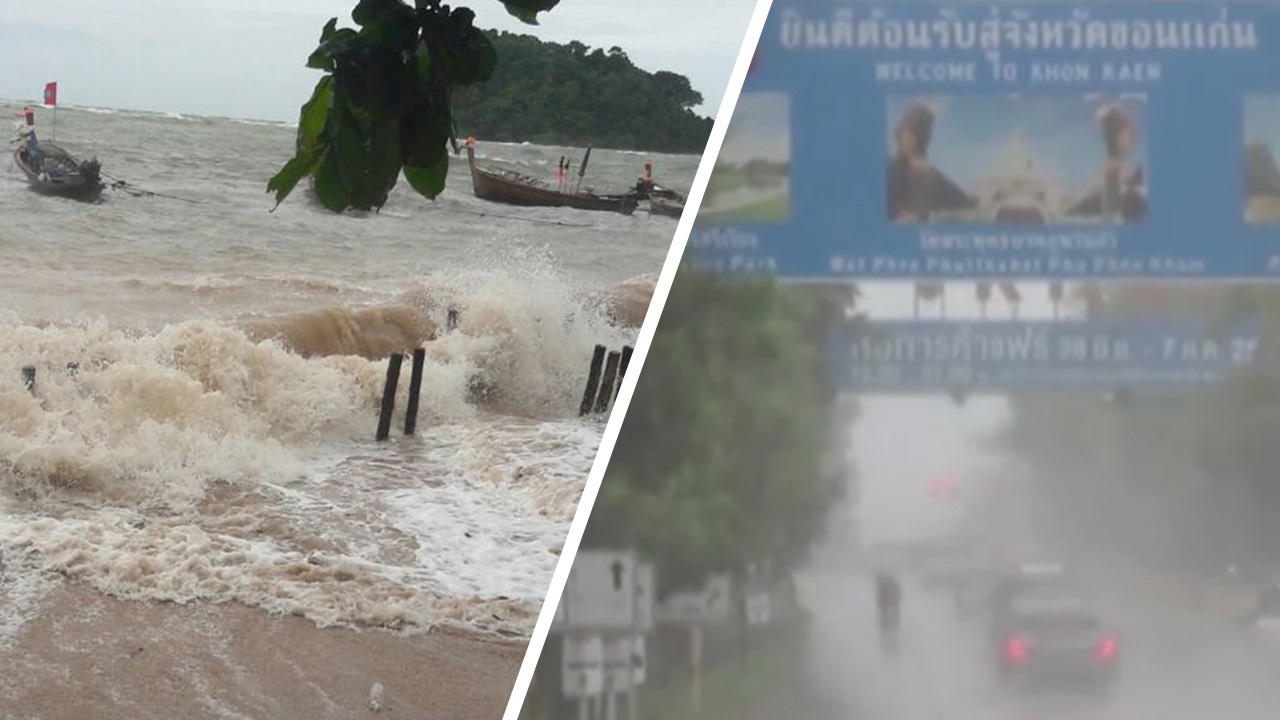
point(666, 206)
point(512, 188)
point(58, 172)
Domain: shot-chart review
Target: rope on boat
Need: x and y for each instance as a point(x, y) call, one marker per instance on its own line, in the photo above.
point(135, 191)
point(536, 221)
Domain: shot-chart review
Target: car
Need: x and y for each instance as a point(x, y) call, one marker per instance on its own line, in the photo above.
point(1051, 641)
point(1038, 578)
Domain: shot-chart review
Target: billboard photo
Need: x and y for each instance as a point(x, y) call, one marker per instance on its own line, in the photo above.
point(750, 181)
point(1015, 160)
point(1261, 146)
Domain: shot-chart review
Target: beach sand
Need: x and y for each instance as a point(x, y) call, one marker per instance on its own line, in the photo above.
point(87, 655)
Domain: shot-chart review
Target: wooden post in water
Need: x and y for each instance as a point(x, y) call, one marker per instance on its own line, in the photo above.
point(607, 384)
point(29, 378)
point(451, 323)
point(415, 387)
point(593, 380)
point(626, 360)
point(389, 397)
point(622, 369)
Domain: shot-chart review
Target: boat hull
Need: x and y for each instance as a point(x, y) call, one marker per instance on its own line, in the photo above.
point(666, 207)
point(493, 187)
point(69, 182)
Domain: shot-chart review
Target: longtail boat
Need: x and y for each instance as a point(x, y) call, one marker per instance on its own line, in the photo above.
point(512, 188)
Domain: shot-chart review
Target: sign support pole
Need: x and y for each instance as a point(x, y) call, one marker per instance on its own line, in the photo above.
point(611, 704)
point(695, 659)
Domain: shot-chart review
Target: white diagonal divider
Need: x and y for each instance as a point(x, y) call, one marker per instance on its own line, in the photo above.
point(659, 300)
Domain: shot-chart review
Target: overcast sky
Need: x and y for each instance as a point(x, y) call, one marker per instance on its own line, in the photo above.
point(245, 58)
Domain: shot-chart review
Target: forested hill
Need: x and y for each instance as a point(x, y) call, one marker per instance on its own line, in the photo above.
point(548, 93)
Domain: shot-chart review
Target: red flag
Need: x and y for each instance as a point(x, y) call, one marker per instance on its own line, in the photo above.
point(51, 93)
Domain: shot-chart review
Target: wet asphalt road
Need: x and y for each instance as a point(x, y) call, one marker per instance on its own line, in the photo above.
point(1180, 661)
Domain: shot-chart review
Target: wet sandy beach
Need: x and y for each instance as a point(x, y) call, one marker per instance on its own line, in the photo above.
point(87, 655)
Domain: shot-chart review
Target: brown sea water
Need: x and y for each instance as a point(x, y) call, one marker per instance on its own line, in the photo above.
point(216, 441)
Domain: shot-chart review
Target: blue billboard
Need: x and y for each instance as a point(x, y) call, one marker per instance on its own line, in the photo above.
point(999, 140)
point(922, 357)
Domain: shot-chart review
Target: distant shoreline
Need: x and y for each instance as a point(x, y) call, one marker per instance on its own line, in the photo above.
point(179, 117)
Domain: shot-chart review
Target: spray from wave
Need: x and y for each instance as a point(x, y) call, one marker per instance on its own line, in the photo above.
point(233, 462)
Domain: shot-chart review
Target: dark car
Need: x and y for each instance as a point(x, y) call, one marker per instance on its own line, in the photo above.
point(1041, 579)
point(1056, 643)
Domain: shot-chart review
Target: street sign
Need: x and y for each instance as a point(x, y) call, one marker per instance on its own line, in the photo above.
point(639, 660)
point(759, 608)
point(618, 664)
point(644, 582)
point(1002, 140)
point(907, 357)
point(601, 591)
point(710, 605)
point(582, 666)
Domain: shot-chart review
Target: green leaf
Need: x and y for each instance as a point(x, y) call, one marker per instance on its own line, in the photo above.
point(527, 10)
point(371, 188)
point(365, 151)
point(330, 28)
point(372, 12)
point(426, 130)
point(387, 23)
point(309, 148)
point(428, 181)
point(328, 186)
point(423, 65)
point(301, 165)
point(314, 115)
point(339, 45)
point(469, 56)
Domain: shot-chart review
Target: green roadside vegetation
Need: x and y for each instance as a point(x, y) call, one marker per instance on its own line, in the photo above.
point(571, 94)
point(728, 454)
point(1206, 461)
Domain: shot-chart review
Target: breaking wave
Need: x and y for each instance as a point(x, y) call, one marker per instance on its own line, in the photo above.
point(234, 461)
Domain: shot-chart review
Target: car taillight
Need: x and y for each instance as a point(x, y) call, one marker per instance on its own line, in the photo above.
point(1015, 649)
point(1106, 648)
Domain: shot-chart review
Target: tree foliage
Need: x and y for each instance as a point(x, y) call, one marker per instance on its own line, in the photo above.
point(383, 105)
point(570, 94)
point(1218, 439)
point(724, 458)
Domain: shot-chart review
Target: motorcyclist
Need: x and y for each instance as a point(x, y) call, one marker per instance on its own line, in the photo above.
point(888, 597)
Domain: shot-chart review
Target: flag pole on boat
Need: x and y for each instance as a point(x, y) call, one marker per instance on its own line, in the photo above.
point(582, 169)
point(51, 99)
